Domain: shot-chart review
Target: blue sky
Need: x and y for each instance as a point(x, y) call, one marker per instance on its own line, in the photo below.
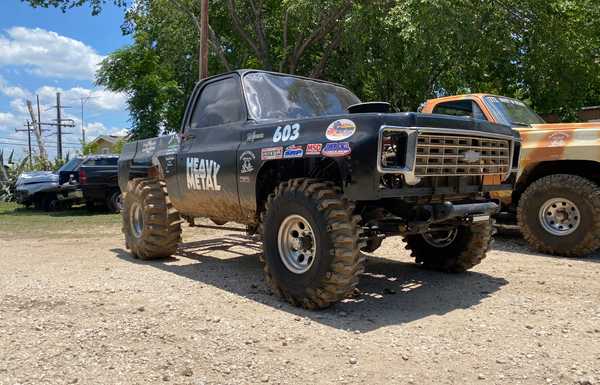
point(43, 51)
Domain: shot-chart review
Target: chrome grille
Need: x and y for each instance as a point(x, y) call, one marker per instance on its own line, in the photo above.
point(451, 155)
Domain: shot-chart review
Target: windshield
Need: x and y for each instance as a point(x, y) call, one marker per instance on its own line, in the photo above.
point(276, 97)
point(513, 112)
point(70, 165)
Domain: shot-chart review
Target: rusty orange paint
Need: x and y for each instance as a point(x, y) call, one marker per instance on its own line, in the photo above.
point(540, 142)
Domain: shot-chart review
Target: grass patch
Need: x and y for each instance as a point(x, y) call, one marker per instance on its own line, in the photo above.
point(17, 221)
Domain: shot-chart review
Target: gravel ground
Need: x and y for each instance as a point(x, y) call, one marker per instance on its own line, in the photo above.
point(77, 308)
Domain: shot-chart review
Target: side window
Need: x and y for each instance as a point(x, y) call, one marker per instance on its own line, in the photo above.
point(465, 108)
point(219, 103)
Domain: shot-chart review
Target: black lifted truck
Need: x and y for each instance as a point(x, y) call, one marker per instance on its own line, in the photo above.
point(318, 176)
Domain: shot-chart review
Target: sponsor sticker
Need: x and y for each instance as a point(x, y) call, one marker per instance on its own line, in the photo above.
point(340, 130)
point(173, 144)
point(251, 137)
point(314, 149)
point(559, 139)
point(202, 174)
point(271, 153)
point(294, 151)
point(247, 162)
point(149, 146)
point(333, 150)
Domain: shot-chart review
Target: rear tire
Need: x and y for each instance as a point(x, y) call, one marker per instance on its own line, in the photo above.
point(151, 225)
point(578, 201)
point(114, 202)
point(50, 203)
point(324, 265)
point(459, 252)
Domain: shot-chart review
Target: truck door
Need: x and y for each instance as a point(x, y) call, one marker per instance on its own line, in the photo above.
point(207, 161)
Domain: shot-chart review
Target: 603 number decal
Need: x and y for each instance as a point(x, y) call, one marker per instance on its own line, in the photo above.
point(288, 132)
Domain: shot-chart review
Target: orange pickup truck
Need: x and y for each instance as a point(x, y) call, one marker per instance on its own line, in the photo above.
point(557, 195)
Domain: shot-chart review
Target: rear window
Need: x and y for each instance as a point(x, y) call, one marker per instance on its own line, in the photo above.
point(70, 165)
point(465, 108)
point(101, 162)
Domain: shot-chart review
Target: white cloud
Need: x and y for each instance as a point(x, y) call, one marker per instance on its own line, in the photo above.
point(99, 99)
point(6, 119)
point(12, 91)
point(48, 54)
point(95, 129)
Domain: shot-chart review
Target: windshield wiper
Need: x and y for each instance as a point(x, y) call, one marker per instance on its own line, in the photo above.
point(520, 124)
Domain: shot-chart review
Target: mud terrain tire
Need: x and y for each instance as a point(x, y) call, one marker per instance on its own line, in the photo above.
point(151, 225)
point(334, 270)
point(467, 250)
point(584, 193)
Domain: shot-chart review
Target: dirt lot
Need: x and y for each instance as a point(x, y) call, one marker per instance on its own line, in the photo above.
point(76, 308)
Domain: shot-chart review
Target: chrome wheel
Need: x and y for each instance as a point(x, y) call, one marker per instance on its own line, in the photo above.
point(137, 220)
point(440, 239)
point(118, 199)
point(296, 243)
point(559, 216)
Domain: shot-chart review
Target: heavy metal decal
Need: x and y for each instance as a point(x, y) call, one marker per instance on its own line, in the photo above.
point(202, 174)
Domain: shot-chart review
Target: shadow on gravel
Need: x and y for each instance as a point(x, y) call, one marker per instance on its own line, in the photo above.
point(392, 292)
point(515, 243)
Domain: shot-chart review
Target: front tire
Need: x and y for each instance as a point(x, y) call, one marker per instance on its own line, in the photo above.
point(310, 244)
point(151, 225)
point(558, 214)
point(454, 251)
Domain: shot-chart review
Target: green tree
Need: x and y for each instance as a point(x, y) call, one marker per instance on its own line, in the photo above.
point(546, 52)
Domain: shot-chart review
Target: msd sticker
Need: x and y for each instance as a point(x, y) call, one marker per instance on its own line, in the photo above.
point(340, 130)
point(314, 149)
point(271, 153)
point(334, 150)
point(293, 152)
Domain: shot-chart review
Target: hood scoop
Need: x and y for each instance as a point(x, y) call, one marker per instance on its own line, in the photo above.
point(363, 108)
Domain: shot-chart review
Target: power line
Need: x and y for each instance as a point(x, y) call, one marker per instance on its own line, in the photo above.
point(23, 140)
point(25, 145)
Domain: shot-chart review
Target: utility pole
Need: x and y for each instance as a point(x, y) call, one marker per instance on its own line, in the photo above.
point(82, 127)
point(203, 54)
point(58, 128)
point(29, 144)
point(37, 129)
point(29, 128)
point(83, 101)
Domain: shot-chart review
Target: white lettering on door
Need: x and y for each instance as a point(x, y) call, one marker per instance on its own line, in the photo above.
point(202, 174)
